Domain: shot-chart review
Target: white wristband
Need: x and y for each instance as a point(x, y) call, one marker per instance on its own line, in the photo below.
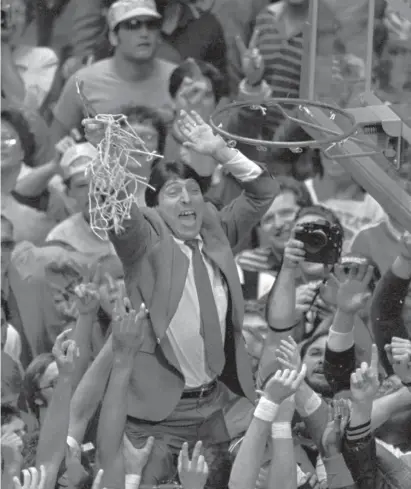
point(266, 410)
point(312, 404)
point(281, 431)
point(132, 481)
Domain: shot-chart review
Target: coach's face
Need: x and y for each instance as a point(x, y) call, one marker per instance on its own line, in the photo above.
point(182, 206)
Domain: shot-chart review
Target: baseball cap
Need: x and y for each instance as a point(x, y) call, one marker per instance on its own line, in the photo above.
point(127, 9)
point(71, 164)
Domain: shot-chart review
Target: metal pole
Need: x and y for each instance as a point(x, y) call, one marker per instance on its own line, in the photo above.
point(370, 46)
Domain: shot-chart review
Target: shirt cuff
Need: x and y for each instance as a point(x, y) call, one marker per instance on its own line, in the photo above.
point(339, 342)
point(242, 168)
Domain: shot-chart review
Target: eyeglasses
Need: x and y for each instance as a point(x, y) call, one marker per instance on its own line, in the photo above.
point(136, 25)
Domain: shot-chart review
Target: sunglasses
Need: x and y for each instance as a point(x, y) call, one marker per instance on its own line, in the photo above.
point(136, 25)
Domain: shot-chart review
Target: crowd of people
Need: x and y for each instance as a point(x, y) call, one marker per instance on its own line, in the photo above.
point(247, 324)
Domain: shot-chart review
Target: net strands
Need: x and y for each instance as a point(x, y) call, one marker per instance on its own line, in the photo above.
point(114, 175)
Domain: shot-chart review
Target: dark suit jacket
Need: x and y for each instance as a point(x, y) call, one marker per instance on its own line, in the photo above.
point(155, 272)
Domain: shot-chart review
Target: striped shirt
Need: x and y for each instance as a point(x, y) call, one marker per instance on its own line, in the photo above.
point(282, 56)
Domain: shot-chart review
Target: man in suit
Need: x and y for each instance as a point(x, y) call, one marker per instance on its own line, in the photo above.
point(177, 258)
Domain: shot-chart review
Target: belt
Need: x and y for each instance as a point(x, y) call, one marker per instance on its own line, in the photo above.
point(200, 392)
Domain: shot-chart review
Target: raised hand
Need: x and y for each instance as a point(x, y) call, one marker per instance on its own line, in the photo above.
point(365, 382)
point(399, 355)
point(32, 479)
point(252, 63)
point(353, 292)
point(87, 293)
point(129, 330)
point(198, 134)
point(136, 459)
point(98, 479)
point(288, 354)
point(94, 130)
point(65, 352)
point(294, 252)
point(11, 451)
point(338, 416)
point(283, 384)
point(256, 260)
point(193, 473)
point(193, 89)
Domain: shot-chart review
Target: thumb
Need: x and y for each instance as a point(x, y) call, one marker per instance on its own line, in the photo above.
point(149, 445)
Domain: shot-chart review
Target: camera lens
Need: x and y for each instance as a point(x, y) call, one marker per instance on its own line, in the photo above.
point(315, 241)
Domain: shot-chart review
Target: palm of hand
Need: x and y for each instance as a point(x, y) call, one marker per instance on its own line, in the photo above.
point(203, 139)
point(351, 296)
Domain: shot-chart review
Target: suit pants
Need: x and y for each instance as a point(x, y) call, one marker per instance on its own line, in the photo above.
point(192, 420)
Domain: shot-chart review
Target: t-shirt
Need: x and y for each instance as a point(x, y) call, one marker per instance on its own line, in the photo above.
point(76, 232)
point(108, 93)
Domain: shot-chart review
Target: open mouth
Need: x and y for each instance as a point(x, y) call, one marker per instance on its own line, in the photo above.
point(188, 216)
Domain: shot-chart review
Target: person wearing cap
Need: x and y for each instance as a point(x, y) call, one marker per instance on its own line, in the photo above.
point(74, 232)
point(134, 75)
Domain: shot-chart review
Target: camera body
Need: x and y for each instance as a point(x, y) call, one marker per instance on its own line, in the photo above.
point(322, 242)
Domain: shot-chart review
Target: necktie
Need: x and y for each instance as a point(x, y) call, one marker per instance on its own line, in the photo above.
point(210, 324)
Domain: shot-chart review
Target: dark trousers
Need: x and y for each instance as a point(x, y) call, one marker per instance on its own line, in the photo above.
point(191, 421)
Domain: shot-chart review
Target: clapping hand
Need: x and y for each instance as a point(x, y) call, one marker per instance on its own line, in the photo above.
point(252, 63)
point(65, 352)
point(283, 384)
point(198, 134)
point(288, 354)
point(32, 479)
point(294, 252)
point(136, 459)
point(193, 473)
point(399, 355)
point(338, 416)
point(365, 382)
point(87, 293)
point(353, 292)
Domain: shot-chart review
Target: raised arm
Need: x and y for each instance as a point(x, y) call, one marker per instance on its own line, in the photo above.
point(128, 335)
point(281, 313)
point(53, 435)
point(259, 188)
point(388, 302)
point(351, 296)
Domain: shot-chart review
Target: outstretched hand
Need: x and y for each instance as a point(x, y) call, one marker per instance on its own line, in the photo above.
point(399, 355)
point(288, 354)
point(198, 134)
point(87, 293)
point(283, 384)
point(252, 63)
point(193, 473)
point(338, 416)
point(365, 382)
point(136, 459)
point(65, 352)
point(32, 479)
point(129, 327)
point(352, 291)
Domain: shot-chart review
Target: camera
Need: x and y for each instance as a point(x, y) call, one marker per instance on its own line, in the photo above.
point(322, 242)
